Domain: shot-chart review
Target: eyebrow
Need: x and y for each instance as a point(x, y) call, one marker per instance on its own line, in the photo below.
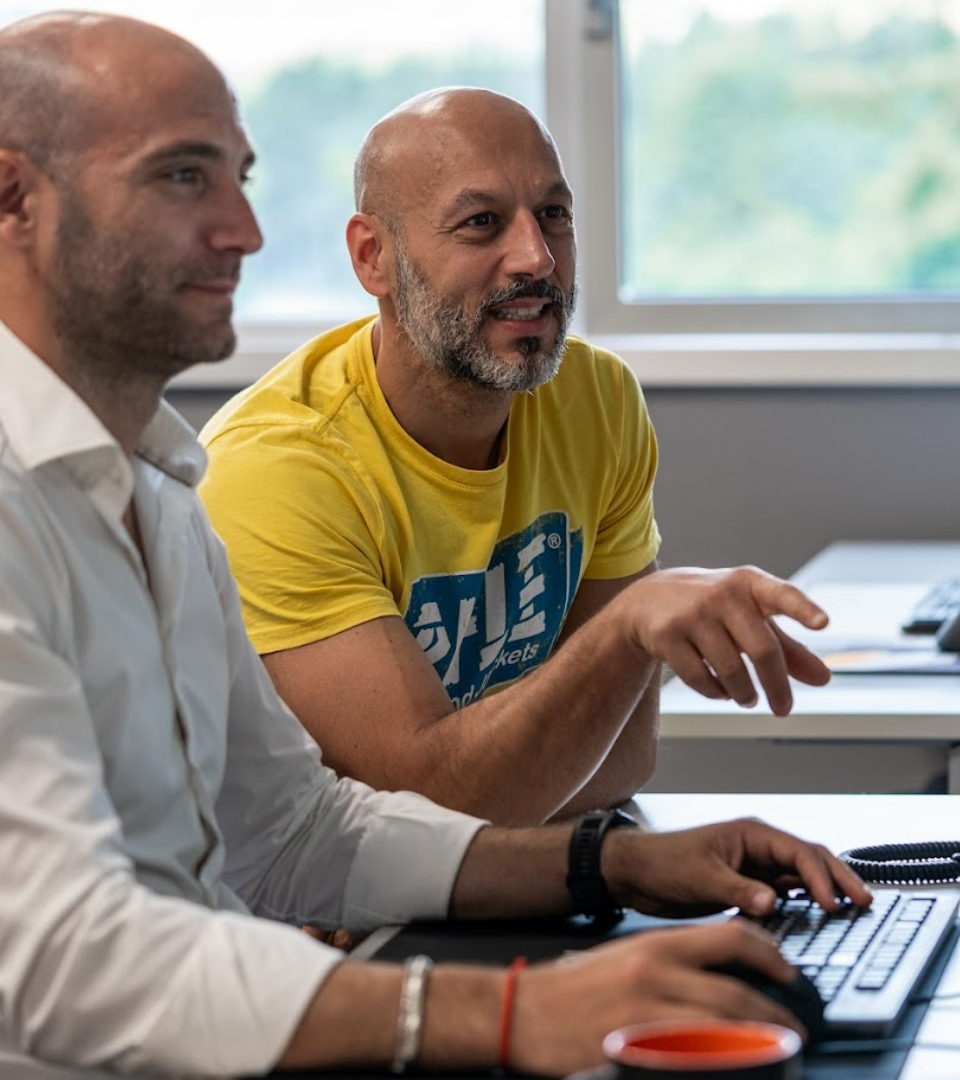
point(188, 149)
point(471, 197)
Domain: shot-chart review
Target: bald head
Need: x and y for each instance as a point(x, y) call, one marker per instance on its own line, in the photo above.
point(58, 70)
point(422, 138)
point(464, 233)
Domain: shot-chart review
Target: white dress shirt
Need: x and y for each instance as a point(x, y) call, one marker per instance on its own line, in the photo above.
point(153, 788)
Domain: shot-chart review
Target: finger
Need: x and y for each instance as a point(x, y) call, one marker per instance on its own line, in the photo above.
point(720, 944)
point(826, 878)
point(740, 1001)
point(762, 646)
point(721, 653)
point(777, 597)
point(705, 995)
point(823, 875)
point(801, 663)
point(850, 883)
point(687, 664)
point(754, 636)
point(691, 992)
point(735, 889)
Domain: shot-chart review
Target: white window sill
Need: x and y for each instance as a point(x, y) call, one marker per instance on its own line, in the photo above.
point(681, 360)
point(775, 360)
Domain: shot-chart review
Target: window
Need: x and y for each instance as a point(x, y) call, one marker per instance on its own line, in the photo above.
point(783, 165)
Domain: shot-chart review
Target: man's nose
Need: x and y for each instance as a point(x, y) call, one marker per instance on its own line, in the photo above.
point(527, 252)
point(236, 227)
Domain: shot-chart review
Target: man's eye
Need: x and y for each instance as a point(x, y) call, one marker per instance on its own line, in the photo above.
point(188, 174)
point(481, 221)
point(557, 213)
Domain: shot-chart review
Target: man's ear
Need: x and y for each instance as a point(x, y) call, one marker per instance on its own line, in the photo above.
point(19, 185)
point(370, 250)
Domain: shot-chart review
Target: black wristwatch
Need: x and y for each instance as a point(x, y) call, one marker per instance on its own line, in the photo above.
point(584, 878)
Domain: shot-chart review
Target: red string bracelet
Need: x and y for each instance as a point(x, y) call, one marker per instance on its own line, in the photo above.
point(506, 1011)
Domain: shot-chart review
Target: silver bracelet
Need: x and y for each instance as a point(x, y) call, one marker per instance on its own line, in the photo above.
point(413, 991)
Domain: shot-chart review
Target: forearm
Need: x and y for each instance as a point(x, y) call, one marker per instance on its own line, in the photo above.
point(518, 872)
point(517, 756)
point(521, 755)
point(353, 1018)
point(630, 763)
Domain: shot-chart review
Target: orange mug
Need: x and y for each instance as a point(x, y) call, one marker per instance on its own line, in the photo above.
point(705, 1050)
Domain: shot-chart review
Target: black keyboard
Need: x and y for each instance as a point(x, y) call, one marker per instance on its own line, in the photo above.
point(940, 603)
point(866, 963)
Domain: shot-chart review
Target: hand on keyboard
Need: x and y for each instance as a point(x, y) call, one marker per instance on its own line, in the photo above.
point(744, 863)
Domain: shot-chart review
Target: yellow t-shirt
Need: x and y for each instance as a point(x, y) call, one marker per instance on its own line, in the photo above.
point(333, 515)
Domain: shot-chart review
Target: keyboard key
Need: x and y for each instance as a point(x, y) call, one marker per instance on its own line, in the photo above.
point(873, 980)
point(915, 911)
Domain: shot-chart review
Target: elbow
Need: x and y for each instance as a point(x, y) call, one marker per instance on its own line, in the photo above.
point(647, 767)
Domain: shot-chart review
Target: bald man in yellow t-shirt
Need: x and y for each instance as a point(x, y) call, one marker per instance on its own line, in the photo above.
point(441, 518)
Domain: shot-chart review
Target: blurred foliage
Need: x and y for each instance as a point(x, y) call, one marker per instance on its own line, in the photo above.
point(307, 123)
point(767, 159)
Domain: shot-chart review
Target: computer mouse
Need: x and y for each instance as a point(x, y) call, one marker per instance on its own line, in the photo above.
point(800, 996)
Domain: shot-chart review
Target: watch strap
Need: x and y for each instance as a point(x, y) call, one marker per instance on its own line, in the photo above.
point(585, 880)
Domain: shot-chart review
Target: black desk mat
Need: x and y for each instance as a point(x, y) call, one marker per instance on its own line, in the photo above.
point(498, 941)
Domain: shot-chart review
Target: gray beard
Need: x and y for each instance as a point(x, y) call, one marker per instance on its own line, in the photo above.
point(451, 341)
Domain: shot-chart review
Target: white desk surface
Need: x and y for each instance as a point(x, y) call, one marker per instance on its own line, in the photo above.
point(843, 821)
point(867, 588)
point(839, 821)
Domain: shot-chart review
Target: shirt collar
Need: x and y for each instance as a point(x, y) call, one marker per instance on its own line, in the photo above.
point(45, 420)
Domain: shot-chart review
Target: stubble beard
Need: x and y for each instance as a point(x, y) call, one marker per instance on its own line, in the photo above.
point(451, 340)
point(117, 317)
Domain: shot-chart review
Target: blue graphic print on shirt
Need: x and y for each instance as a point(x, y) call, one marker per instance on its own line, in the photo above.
point(486, 627)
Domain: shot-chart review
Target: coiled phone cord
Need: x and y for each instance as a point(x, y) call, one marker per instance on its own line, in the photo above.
point(907, 864)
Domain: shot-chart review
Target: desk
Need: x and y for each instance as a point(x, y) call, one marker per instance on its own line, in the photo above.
point(842, 821)
point(860, 733)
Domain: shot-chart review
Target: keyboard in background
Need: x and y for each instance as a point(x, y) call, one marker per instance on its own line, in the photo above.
point(866, 963)
point(940, 603)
